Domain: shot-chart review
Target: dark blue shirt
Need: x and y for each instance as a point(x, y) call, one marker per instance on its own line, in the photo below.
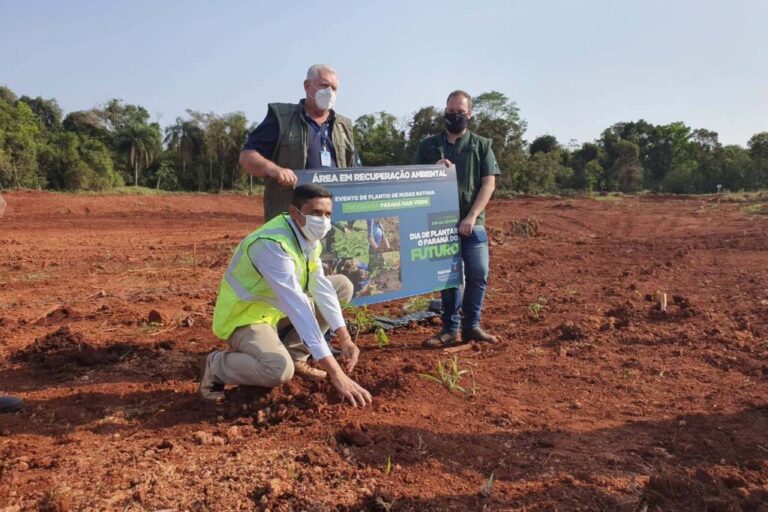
point(264, 138)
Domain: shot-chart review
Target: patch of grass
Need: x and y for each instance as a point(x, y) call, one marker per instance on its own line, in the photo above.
point(528, 227)
point(32, 276)
point(418, 303)
point(741, 197)
point(381, 337)
point(612, 197)
point(487, 487)
point(757, 209)
point(388, 466)
point(362, 321)
point(535, 309)
point(447, 375)
point(386, 505)
point(130, 190)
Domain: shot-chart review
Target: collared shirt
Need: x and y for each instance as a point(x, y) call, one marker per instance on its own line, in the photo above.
point(279, 269)
point(474, 160)
point(265, 136)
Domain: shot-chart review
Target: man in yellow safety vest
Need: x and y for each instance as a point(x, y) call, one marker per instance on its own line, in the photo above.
point(275, 303)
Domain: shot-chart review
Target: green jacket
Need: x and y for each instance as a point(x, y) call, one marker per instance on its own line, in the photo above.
point(291, 150)
point(245, 297)
point(474, 159)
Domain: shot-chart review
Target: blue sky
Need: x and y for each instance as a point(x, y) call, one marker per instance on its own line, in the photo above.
point(573, 67)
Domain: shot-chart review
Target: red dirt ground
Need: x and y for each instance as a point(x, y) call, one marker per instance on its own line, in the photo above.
point(603, 403)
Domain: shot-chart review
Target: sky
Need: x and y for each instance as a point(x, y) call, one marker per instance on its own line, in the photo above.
point(573, 67)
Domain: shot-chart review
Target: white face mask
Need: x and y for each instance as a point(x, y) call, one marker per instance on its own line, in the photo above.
point(315, 227)
point(325, 98)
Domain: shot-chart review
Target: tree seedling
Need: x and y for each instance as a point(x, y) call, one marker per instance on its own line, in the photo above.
point(381, 337)
point(447, 375)
point(386, 505)
point(363, 321)
point(536, 308)
point(487, 487)
point(388, 466)
point(415, 304)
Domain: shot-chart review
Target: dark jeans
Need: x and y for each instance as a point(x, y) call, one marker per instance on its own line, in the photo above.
point(468, 298)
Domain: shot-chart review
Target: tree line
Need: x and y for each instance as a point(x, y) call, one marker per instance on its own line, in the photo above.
point(117, 144)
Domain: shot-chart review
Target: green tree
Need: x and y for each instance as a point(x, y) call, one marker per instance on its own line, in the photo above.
point(498, 118)
point(591, 175)
point(166, 177)
point(425, 122)
point(47, 112)
point(627, 171)
point(758, 151)
point(544, 144)
point(19, 143)
point(185, 138)
point(539, 174)
point(379, 140)
point(140, 144)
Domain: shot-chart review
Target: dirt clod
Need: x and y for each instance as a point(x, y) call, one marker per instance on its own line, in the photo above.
point(354, 435)
point(569, 331)
point(154, 317)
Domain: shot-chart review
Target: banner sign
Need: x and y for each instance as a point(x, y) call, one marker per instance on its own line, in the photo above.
point(395, 229)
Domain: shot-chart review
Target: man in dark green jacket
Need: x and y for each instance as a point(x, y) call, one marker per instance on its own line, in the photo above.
point(476, 171)
point(296, 136)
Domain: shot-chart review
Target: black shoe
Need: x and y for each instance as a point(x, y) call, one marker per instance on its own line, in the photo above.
point(442, 339)
point(477, 334)
point(10, 404)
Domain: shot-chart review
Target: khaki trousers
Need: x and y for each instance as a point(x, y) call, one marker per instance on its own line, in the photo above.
point(258, 355)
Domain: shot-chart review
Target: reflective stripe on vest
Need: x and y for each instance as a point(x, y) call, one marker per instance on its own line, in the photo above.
point(245, 297)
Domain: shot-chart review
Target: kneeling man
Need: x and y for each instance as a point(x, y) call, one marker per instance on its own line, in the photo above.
point(275, 303)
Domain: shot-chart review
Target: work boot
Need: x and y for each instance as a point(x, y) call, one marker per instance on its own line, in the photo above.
point(209, 389)
point(10, 404)
point(477, 334)
point(305, 371)
point(442, 339)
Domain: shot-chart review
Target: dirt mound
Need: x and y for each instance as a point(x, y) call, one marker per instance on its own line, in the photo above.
point(62, 349)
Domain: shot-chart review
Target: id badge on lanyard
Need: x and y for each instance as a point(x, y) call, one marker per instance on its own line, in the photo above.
point(325, 157)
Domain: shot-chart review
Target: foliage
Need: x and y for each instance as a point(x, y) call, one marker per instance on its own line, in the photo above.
point(447, 375)
point(363, 321)
point(382, 339)
point(487, 487)
point(418, 303)
point(544, 144)
point(536, 308)
point(388, 465)
point(116, 143)
point(352, 245)
point(379, 140)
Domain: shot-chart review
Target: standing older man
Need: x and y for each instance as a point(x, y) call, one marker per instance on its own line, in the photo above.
point(476, 171)
point(306, 135)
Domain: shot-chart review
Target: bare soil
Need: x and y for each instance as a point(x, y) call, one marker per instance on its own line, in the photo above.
point(595, 398)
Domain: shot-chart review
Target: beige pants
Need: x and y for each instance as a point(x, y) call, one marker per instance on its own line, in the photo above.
point(258, 357)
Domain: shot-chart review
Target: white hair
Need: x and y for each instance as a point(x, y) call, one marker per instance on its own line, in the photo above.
point(314, 71)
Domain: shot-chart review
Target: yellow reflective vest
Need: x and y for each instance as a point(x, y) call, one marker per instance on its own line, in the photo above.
point(245, 297)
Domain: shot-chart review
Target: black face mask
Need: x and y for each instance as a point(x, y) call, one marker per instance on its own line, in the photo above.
point(456, 122)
